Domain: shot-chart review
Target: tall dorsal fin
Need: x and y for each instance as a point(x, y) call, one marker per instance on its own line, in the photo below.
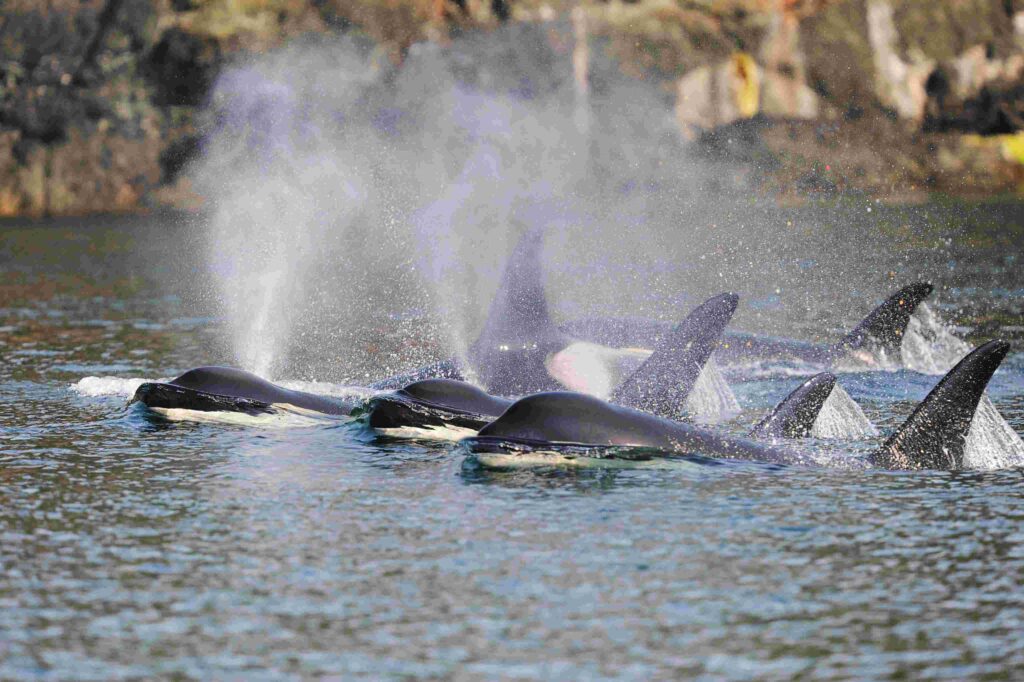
point(934, 435)
point(519, 310)
point(886, 324)
point(662, 384)
point(508, 356)
point(795, 415)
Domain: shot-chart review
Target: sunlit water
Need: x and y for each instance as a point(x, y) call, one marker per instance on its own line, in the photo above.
point(133, 546)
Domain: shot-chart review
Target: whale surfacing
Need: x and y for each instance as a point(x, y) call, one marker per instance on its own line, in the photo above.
point(226, 389)
point(933, 437)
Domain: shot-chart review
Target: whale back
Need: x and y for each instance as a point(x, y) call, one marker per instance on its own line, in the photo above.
point(237, 383)
point(455, 395)
point(558, 418)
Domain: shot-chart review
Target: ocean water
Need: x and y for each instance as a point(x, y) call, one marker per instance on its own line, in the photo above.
point(133, 545)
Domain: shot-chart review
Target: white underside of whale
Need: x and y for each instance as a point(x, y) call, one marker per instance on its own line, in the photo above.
point(441, 433)
point(281, 415)
point(553, 458)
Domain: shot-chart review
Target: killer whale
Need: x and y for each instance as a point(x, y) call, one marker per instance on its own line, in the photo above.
point(792, 418)
point(661, 385)
point(573, 425)
point(520, 350)
point(934, 435)
point(226, 389)
point(508, 357)
point(884, 328)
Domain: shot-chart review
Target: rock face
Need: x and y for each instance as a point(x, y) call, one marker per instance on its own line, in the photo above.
point(101, 101)
point(917, 70)
point(79, 128)
point(716, 95)
point(898, 84)
point(786, 93)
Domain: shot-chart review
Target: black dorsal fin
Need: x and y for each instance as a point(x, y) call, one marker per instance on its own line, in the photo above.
point(795, 415)
point(508, 356)
point(519, 310)
point(662, 384)
point(934, 435)
point(886, 324)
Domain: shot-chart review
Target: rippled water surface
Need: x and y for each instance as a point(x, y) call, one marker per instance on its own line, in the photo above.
point(136, 547)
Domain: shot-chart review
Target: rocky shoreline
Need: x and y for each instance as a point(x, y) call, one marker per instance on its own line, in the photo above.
point(102, 102)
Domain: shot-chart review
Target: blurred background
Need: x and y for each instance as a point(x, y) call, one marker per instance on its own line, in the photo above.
point(102, 101)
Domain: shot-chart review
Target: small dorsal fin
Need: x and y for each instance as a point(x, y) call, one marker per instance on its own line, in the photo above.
point(934, 435)
point(662, 384)
point(795, 415)
point(886, 324)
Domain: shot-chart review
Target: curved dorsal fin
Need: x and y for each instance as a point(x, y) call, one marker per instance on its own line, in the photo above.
point(934, 435)
point(795, 415)
point(887, 323)
point(662, 384)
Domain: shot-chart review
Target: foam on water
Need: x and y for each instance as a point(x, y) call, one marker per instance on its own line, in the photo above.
point(842, 418)
point(991, 442)
point(929, 345)
point(712, 400)
point(101, 386)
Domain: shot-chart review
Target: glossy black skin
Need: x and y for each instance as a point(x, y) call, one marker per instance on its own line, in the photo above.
point(795, 415)
point(230, 389)
point(562, 419)
point(434, 403)
point(933, 437)
point(169, 396)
